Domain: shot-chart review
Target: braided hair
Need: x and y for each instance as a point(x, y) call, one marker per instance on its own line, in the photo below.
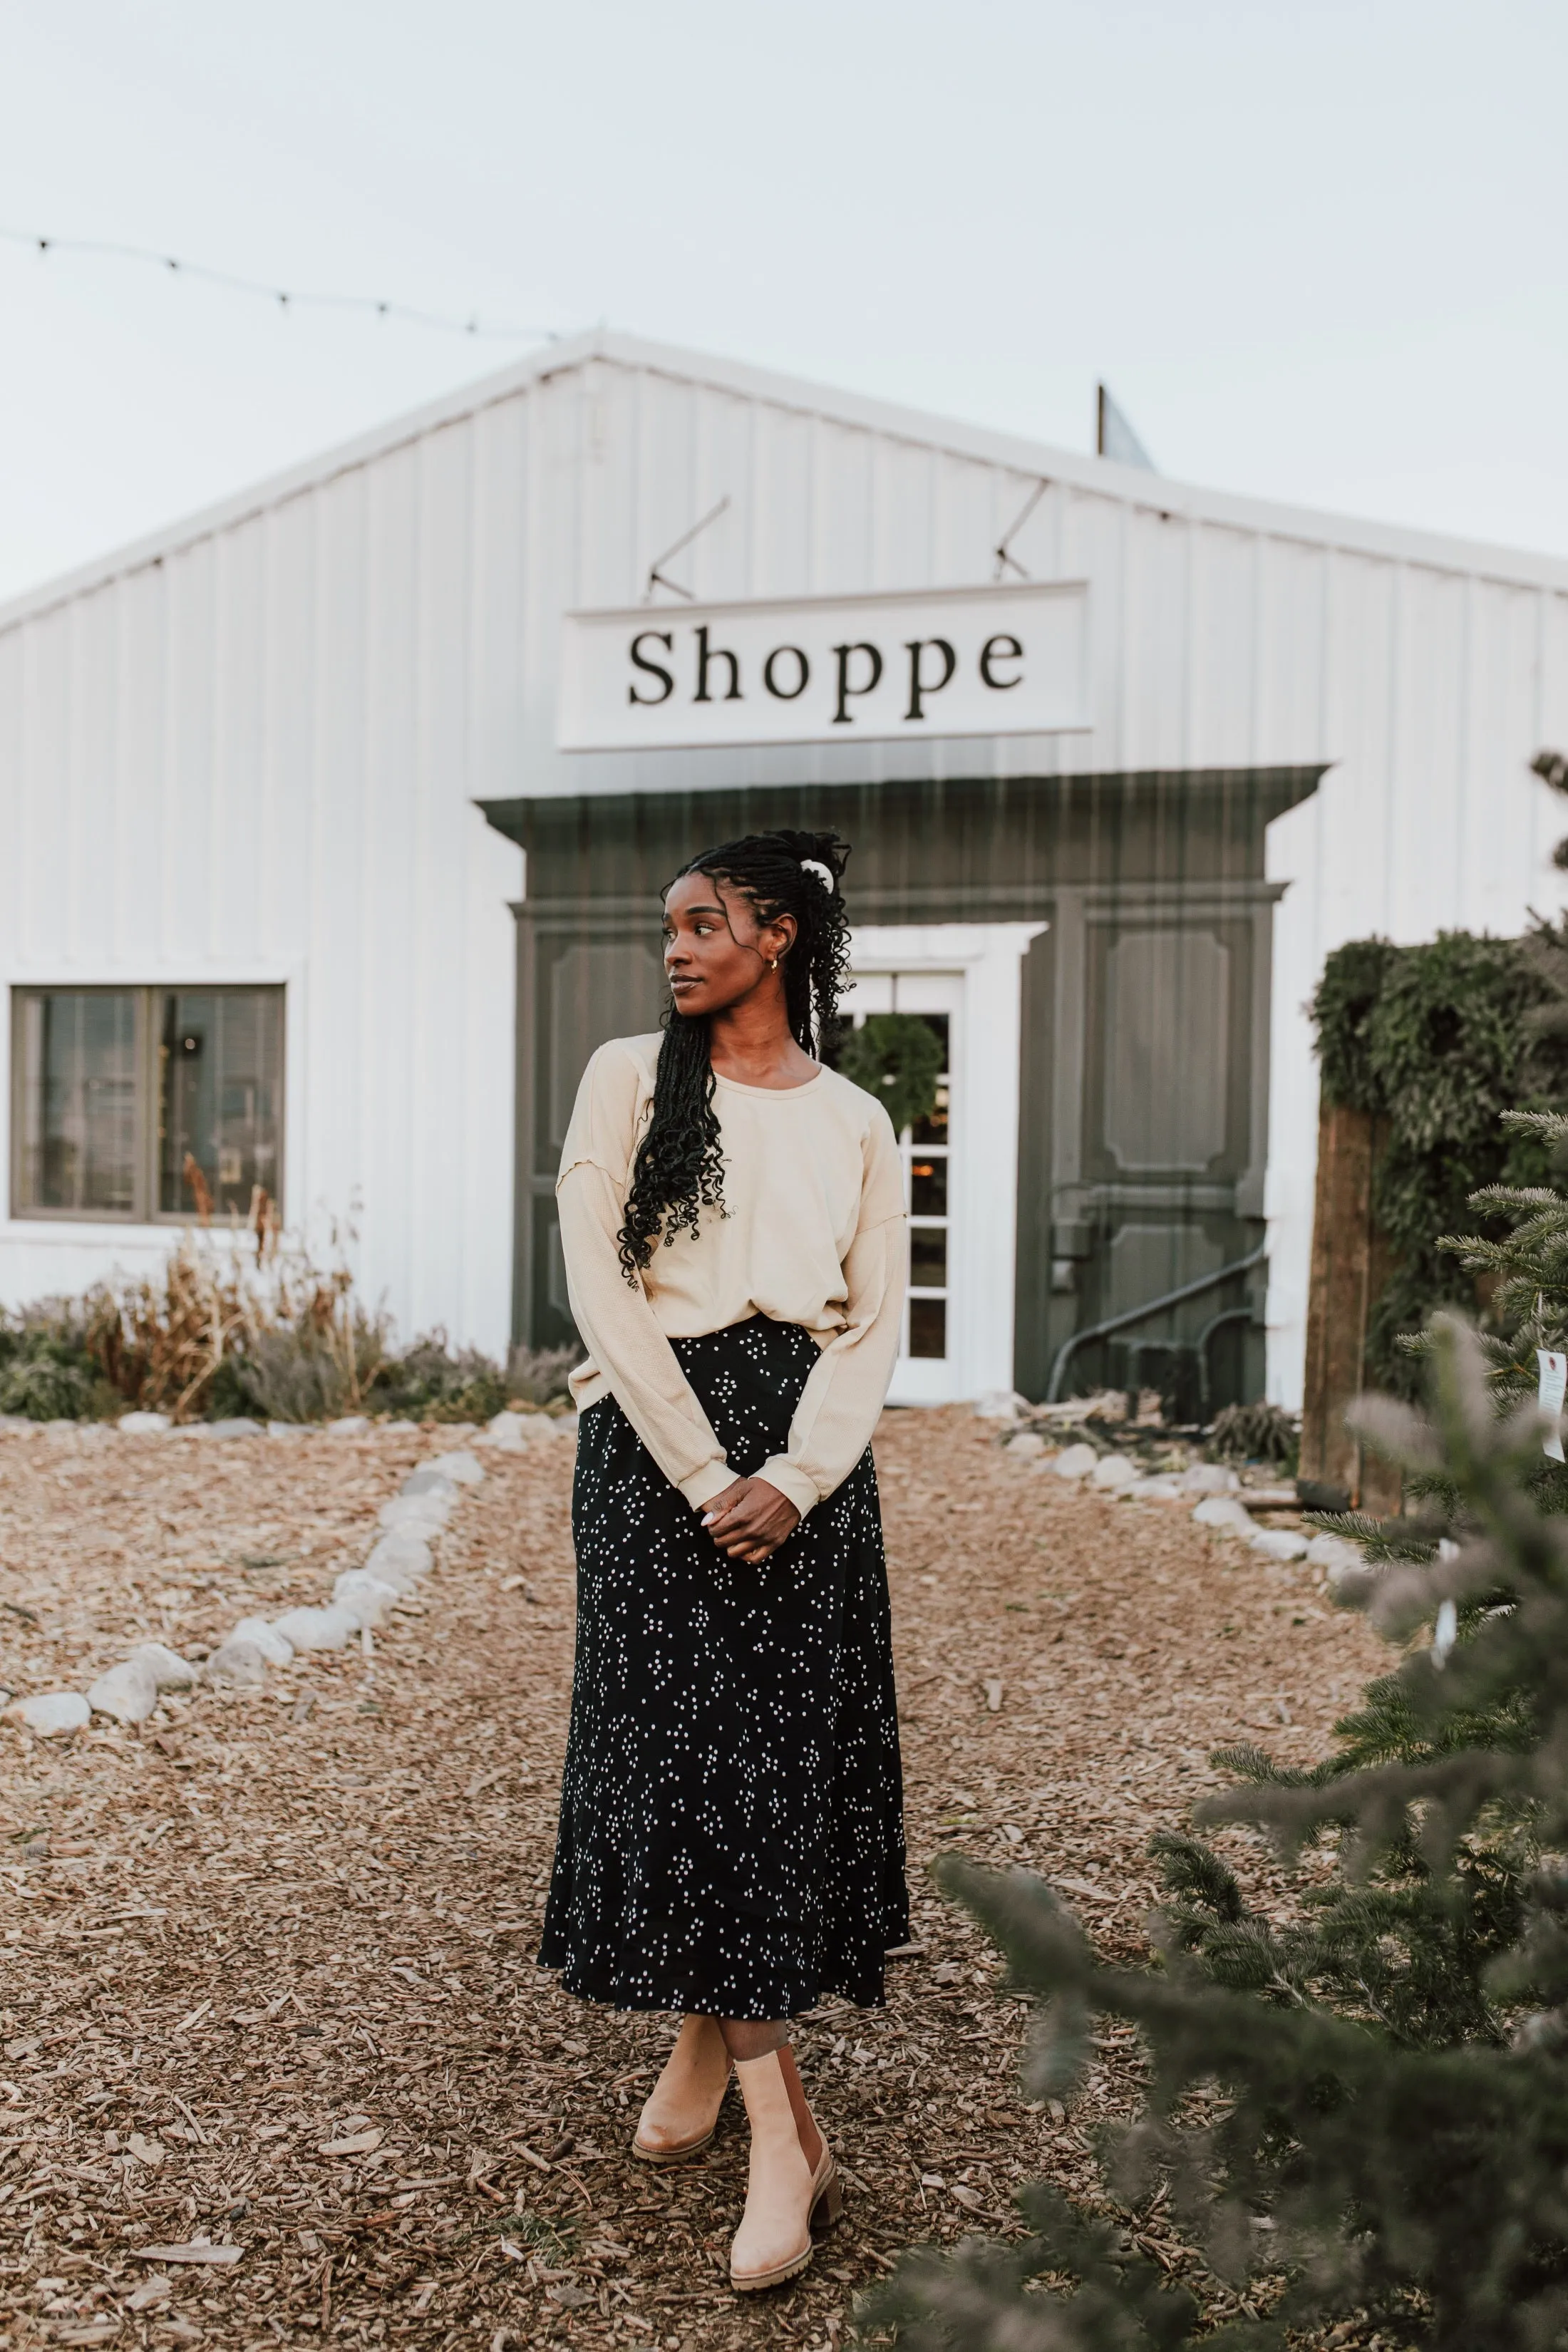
point(680, 1169)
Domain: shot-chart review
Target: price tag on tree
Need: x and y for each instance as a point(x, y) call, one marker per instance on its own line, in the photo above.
point(1553, 1382)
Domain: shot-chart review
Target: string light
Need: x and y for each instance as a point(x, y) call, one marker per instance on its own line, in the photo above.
point(370, 305)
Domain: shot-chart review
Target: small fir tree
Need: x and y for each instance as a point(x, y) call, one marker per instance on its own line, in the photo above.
point(1392, 2070)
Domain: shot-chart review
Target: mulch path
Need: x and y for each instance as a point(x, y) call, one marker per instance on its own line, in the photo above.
point(267, 1926)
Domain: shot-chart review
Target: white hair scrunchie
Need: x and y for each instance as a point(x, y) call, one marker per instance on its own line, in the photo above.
point(816, 866)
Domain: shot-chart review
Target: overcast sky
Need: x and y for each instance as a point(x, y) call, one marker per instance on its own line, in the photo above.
point(1317, 249)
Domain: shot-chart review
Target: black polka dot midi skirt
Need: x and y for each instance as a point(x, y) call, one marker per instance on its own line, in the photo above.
point(731, 1811)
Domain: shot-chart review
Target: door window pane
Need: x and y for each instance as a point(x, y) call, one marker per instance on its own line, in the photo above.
point(928, 1327)
point(77, 1101)
point(928, 1258)
point(928, 1187)
point(220, 1069)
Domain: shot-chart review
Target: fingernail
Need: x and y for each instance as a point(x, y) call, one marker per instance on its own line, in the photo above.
point(709, 1517)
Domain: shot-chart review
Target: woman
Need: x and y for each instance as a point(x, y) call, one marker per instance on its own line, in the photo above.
point(732, 1216)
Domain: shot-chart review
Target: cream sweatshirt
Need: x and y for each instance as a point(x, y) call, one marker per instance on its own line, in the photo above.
point(813, 1234)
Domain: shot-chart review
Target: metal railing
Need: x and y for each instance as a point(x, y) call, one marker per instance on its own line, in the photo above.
point(1070, 1346)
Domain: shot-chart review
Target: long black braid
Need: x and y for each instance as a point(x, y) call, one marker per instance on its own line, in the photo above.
point(679, 1169)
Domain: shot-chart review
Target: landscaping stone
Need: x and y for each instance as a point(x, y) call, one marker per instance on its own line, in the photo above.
point(316, 1629)
point(241, 1425)
point(1025, 1445)
point(241, 1664)
point(365, 1598)
point(348, 1424)
point(142, 1424)
point(430, 1510)
point(1224, 1511)
point(129, 1693)
point(1280, 1543)
point(1333, 1551)
point(1153, 1490)
point(400, 1559)
point(52, 1712)
point(1075, 1462)
point(460, 1468)
point(265, 1638)
point(513, 1432)
point(1113, 1470)
point(1210, 1478)
point(285, 1429)
point(430, 1481)
point(168, 1669)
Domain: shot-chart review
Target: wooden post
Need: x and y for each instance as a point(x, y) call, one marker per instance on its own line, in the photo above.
point(1350, 1266)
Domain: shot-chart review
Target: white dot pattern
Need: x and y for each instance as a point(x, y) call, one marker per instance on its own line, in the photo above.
point(731, 1811)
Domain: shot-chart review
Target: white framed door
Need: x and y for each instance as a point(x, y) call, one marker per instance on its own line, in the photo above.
point(926, 1373)
point(961, 1169)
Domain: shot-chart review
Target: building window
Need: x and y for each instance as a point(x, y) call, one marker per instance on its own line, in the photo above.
point(144, 1104)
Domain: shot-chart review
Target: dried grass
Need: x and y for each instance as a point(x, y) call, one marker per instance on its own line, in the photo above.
point(288, 1334)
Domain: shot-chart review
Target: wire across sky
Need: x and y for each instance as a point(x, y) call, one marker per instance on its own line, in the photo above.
point(284, 297)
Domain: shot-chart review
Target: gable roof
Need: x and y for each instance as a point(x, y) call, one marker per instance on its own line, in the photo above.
point(1153, 493)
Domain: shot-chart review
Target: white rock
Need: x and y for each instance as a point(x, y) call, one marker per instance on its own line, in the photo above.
point(141, 1424)
point(129, 1693)
point(348, 1424)
point(998, 1404)
point(399, 1561)
point(1210, 1478)
point(1222, 1511)
point(1075, 1462)
point(1025, 1445)
point(284, 1429)
point(366, 1598)
point(265, 1638)
point(1113, 1470)
point(52, 1712)
point(1153, 1490)
point(430, 1510)
point(510, 1430)
point(240, 1663)
point(460, 1468)
point(1280, 1543)
point(241, 1425)
point(316, 1629)
point(1333, 1551)
point(430, 1480)
point(168, 1669)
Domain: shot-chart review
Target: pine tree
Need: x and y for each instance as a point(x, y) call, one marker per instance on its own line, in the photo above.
point(1394, 2070)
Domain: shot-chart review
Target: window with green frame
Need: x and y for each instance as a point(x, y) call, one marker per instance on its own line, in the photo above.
point(143, 1104)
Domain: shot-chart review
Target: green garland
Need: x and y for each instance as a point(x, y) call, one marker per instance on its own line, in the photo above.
point(898, 1057)
point(1439, 1041)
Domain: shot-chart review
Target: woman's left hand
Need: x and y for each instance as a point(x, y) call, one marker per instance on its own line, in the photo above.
point(751, 1520)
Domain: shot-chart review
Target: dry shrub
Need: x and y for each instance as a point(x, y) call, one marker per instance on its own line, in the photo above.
point(212, 1331)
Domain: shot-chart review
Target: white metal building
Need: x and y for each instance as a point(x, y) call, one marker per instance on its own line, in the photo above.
point(266, 782)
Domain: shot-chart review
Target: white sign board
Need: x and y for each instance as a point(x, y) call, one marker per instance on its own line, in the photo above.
point(963, 661)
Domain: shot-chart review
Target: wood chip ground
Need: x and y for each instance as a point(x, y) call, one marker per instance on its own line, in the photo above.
point(268, 1981)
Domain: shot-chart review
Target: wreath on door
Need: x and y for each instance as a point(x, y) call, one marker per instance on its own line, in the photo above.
point(898, 1057)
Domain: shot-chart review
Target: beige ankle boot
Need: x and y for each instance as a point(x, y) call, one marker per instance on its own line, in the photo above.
point(788, 2197)
point(681, 2115)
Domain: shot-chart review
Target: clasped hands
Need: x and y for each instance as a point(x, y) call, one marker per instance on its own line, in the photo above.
point(749, 1520)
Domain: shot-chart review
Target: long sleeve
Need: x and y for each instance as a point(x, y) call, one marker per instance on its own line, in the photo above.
point(843, 1398)
point(613, 1318)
